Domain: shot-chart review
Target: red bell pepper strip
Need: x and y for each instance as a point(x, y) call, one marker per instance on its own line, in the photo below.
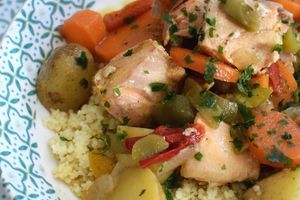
point(129, 142)
point(274, 76)
point(176, 146)
point(163, 156)
point(163, 130)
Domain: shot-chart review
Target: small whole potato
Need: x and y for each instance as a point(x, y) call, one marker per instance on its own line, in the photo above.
point(65, 78)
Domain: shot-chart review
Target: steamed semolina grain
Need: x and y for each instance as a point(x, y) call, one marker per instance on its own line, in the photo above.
point(191, 190)
point(76, 135)
point(79, 133)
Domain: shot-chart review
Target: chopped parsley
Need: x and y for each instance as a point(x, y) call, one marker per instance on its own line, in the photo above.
point(220, 49)
point(277, 47)
point(209, 72)
point(283, 122)
point(129, 20)
point(84, 83)
point(276, 156)
point(243, 82)
point(201, 35)
point(157, 87)
point(142, 192)
point(106, 104)
point(253, 137)
point(184, 11)
point(211, 21)
point(211, 32)
point(173, 181)
point(271, 132)
point(168, 19)
point(223, 1)
point(121, 136)
point(126, 120)
point(82, 60)
point(198, 156)
point(192, 17)
point(260, 125)
point(223, 167)
point(193, 31)
point(238, 144)
point(208, 100)
point(248, 118)
point(117, 92)
point(286, 136)
point(128, 53)
point(188, 59)
point(64, 139)
point(103, 91)
point(146, 72)
point(170, 97)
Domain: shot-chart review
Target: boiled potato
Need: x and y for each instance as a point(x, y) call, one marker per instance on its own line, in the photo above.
point(65, 78)
point(284, 185)
point(137, 184)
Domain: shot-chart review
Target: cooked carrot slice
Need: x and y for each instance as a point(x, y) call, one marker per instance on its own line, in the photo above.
point(275, 140)
point(197, 62)
point(145, 27)
point(85, 27)
point(261, 79)
point(283, 83)
point(127, 14)
point(291, 5)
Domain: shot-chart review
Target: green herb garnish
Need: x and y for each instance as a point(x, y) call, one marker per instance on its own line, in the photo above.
point(276, 156)
point(158, 87)
point(209, 72)
point(82, 60)
point(128, 53)
point(198, 156)
point(117, 92)
point(188, 59)
point(243, 82)
point(84, 83)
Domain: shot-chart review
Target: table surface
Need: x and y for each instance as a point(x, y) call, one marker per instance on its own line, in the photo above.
point(8, 9)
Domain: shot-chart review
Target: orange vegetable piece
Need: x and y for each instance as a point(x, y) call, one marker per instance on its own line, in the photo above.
point(284, 83)
point(291, 5)
point(198, 63)
point(144, 27)
point(100, 164)
point(86, 28)
point(261, 79)
point(116, 19)
point(275, 140)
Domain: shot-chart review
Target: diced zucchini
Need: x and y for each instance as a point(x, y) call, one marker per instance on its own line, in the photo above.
point(212, 108)
point(290, 42)
point(148, 146)
point(134, 131)
point(242, 13)
point(259, 96)
point(283, 185)
point(177, 112)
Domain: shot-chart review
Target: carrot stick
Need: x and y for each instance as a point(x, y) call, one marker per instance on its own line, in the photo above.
point(197, 62)
point(275, 140)
point(86, 28)
point(291, 5)
point(261, 79)
point(144, 27)
point(118, 18)
point(284, 83)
